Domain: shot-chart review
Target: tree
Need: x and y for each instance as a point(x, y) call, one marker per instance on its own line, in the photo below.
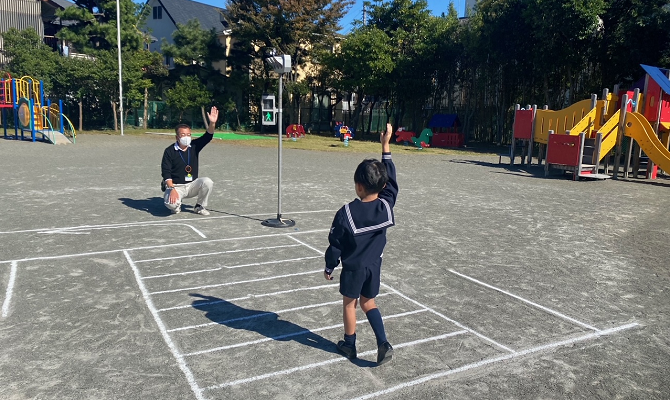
point(296, 28)
point(362, 65)
point(28, 55)
point(187, 94)
point(95, 33)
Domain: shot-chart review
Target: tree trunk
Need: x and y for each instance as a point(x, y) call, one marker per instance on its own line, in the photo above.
point(204, 116)
point(371, 107)
point(116, 117)
point(81, 116)
point(145, 115)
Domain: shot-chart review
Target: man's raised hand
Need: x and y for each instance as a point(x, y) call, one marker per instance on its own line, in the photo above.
point(213, 115)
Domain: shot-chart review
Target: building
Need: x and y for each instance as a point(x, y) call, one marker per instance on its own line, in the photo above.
point(166, 14)
point(37, 14)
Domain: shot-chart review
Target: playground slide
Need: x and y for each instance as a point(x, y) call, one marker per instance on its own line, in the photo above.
point(638, 128)
point(563, 120)
point(609, 130)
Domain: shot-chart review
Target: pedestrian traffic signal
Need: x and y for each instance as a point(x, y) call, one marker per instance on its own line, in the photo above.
point(269, 118)
point(268, 110)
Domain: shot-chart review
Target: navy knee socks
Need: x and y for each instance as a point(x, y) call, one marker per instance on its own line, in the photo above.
point(375, 319)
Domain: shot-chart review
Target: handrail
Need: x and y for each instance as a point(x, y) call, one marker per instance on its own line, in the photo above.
point(55, 113)
point(74, 132)
point(51, 129)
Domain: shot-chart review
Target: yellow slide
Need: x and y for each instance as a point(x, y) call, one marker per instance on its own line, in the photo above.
point(638, 128)
point(609, 130)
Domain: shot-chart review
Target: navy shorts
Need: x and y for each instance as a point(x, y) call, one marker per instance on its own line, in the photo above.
point(361, 282)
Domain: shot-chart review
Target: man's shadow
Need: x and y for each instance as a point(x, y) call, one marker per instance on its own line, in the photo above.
point(265, 323)
point(152, 205)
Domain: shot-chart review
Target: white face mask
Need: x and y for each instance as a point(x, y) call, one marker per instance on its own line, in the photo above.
point(185, 140)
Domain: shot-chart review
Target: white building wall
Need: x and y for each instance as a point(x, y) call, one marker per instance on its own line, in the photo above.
point(159, 28)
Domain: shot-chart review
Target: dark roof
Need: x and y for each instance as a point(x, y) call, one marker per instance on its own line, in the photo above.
point(49, 9)
point(443, 121)
point(63, 3)
point(182, 11)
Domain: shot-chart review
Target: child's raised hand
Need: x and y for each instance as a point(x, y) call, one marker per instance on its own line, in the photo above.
point(385, 137)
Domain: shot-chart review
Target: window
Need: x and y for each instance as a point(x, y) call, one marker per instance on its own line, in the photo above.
point(158, 12)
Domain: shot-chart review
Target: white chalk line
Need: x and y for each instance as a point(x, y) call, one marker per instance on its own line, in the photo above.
point(430, 309)
point(288, 335)
point(331, 361)
point(161, 327)
point(154, 222)
point(260, 314)
point(10, 289)
point(272, 262)
point(162, 246)
point(131, 225)
point(541, 307)
point(227, 267)
point(308, 246)
point(479, 335)
point(496, 360)
point(198, 271)
point(250, 296)
point(217, 253)
point(236, 282)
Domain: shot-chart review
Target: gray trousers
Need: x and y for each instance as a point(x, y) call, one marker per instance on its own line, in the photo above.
point(199, 188)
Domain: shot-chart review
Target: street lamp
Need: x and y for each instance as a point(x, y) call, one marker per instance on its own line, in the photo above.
point(280, 65)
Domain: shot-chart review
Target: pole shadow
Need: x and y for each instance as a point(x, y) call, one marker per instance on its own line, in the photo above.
point(265, 323)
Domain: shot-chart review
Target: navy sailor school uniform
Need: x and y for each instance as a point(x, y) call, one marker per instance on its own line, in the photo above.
point(173, 164)
point(358, 234)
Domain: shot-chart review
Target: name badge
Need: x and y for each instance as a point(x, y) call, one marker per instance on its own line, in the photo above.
point(189, 178)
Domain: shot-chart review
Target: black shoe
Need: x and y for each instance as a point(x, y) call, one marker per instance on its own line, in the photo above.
point(384, 353)
point(348, 350)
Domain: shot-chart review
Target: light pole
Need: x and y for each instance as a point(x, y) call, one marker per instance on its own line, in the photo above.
point(280, 65)
point(118, 45)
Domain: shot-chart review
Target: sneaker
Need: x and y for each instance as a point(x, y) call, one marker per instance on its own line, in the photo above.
point(200, 210)
point(384, 353)
point(348, 350)
point(176, 210)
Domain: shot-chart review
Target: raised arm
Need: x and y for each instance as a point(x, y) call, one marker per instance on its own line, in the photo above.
point(390, 191)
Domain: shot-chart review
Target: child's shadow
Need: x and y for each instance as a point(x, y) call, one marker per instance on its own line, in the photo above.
point(265, 323)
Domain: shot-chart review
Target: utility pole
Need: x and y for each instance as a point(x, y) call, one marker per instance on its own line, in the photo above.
point(365, 15)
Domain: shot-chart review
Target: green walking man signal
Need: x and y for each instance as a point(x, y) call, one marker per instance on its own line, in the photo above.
point(268, 110)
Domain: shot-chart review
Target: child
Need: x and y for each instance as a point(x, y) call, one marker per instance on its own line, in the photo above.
point(357, 237)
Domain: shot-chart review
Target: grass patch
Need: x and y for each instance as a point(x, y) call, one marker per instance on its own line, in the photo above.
point(315, 142)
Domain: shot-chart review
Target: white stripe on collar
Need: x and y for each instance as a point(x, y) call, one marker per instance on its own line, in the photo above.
point(384, 224)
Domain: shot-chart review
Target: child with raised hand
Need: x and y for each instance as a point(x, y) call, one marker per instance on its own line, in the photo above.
point(357, 238)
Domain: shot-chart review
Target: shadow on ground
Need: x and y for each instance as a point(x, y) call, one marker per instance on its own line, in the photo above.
point(265, 323)
point(152, 205)
point(529, 171)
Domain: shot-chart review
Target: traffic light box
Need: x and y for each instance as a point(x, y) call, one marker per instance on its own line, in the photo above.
point(268, 110)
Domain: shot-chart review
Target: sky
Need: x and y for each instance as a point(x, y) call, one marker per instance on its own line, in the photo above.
point(437, 7)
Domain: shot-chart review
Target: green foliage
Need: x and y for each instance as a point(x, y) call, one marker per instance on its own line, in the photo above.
point(95, 27)
point(194, 46)
point(301, 29)
point(30, 56)
point(188, 93)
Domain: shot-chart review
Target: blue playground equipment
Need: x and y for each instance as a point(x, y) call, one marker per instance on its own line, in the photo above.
point(25, 98)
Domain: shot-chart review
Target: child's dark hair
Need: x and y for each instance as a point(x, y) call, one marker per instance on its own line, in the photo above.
point(371, 174)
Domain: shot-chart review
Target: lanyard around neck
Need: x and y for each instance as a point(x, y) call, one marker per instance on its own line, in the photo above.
point(188, 159)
